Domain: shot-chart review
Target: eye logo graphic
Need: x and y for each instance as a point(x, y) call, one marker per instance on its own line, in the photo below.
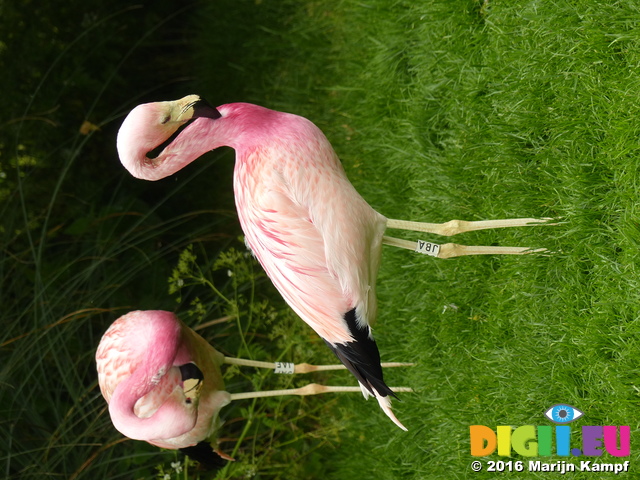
point(563, 413)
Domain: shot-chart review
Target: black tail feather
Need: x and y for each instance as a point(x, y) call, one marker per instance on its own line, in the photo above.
point(361, 357)
point(203, 453)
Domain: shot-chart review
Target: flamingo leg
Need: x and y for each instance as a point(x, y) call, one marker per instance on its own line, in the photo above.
point(450, 250)
point(454, 227)
point(314, 388)
point(311, 389)
point(290, 368)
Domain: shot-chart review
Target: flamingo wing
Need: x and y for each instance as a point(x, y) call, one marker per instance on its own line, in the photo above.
point(292, 251)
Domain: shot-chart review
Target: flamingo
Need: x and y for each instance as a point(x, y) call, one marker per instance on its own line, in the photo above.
point(317, 239)
point(163, 383)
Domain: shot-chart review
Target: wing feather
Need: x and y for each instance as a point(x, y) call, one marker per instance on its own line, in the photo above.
point(292, 251)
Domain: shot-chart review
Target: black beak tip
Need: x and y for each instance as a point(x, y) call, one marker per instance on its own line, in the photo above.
point(202, 108)
point(190, 371)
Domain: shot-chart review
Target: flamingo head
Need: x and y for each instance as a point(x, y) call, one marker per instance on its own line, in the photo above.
point(156, 140)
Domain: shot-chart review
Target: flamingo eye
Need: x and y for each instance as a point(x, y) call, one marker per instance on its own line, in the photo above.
point(165, 119)
point(563, 413)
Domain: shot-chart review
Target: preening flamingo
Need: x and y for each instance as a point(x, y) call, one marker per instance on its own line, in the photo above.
point(163, 383)
point(315, 236)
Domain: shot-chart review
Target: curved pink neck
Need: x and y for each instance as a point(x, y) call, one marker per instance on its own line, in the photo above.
point(240, 126)
point(171, 420)
point(198, 138)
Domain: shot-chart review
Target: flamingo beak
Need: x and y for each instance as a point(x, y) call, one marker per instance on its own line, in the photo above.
point(202, 108)
point(192, 379)
point(192, 107)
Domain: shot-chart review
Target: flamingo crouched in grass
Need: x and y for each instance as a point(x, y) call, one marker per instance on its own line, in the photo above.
point(315, 236)
point(163, 383)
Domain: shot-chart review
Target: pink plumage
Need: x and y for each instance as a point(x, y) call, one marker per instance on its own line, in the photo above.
point(315, 236)
point(162, 380)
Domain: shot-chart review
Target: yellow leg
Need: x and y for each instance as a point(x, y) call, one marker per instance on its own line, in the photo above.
point(455, 227)
point(450, 250)
point(311, 389)
point(286, 367)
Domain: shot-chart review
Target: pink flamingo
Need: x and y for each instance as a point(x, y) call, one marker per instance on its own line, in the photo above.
point(163, 383)
point(315, 236)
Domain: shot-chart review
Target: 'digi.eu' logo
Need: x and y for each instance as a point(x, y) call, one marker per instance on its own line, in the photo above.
point(532, 441)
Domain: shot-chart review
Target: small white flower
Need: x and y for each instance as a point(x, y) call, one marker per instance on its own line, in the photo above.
point(176, 466)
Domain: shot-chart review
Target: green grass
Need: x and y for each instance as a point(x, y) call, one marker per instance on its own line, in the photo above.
point(473, 110)
point(439, 110)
